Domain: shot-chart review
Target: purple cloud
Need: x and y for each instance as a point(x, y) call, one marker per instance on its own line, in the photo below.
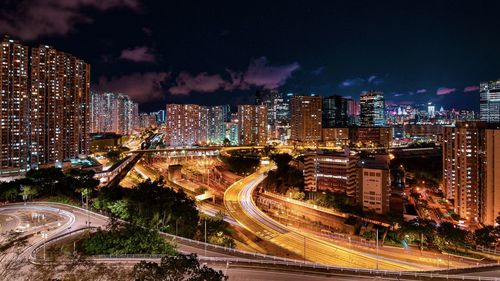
point(138, 54)
point(351, 82)
point(202, 83)
point(421, 91)
point(260, 74)
point(141, 87)
point(445, 91)
point(32, 19)
point(469, 89)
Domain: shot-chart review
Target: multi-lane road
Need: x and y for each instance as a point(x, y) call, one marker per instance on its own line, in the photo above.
point(240, 205)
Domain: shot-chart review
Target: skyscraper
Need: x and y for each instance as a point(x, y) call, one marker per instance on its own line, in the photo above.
point(334, 112)
point(252, 124)
point(14, 129)
point(305, 120)
point(489, 106)
point(372, 109)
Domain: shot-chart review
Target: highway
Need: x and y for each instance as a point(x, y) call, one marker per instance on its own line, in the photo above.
point(239, 202)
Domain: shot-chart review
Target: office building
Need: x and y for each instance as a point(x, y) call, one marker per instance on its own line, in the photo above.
point(372, 107)
point(252, 124)
point(489, 104)
point(371, 136)
point(305, 123)
point(335, 112)
point(331, 171)
point(374, 184)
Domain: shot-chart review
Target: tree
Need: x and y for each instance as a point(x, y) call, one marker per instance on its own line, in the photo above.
point(281, 160)
point(176, 268)
point(84, 183)
point(485, 236)
point(49, 179)
point(448, 235)
point(124, 238)
point(226, 142)
point(28, 191)
point(113, 155)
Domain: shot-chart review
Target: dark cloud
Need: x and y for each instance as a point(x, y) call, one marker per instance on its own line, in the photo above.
point(258, 74)
point(138, 54)
point(141, 87)
point(31, 19)
point(201, 83)
point(318, 70)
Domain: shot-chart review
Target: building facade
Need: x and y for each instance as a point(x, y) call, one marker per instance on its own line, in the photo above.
point(305, 120)
point(372, 107)
point(374, 184)
point(489, 104)
point(331, 171)
point(113, 113)
point(14, 135)
point(252, 124)
point(44, 107)
point(335, 112)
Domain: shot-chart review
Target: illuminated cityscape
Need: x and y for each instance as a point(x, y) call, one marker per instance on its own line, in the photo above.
point(146, 140)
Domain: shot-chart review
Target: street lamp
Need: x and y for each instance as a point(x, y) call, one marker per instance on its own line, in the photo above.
point(44, 237)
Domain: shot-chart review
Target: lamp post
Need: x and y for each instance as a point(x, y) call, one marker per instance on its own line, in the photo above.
point(377, 248)
point(205, 237)
point(44, 236)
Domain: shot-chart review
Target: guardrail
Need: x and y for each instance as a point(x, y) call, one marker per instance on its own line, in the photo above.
point(488, 250)
point(267, 260)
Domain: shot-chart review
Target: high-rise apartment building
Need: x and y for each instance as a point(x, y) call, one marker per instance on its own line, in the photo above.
point(59, 109)
point(215, 127)
point(471, 170)
point(461, 168)
point(183, 124)
point(14, 129)
point(44, 107)
point(335, 112)
point(372, 109)
point(305, 120)
point(490, 195)
point(331, 171)
point(113, 113)
point(489, 105)
point(252, 124)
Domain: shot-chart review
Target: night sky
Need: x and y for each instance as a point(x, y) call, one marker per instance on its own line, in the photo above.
point(215, 52)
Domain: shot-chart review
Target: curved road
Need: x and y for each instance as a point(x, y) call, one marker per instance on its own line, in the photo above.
point(239, 202)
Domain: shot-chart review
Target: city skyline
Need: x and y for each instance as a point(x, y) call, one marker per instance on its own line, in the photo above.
point(222, 54)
